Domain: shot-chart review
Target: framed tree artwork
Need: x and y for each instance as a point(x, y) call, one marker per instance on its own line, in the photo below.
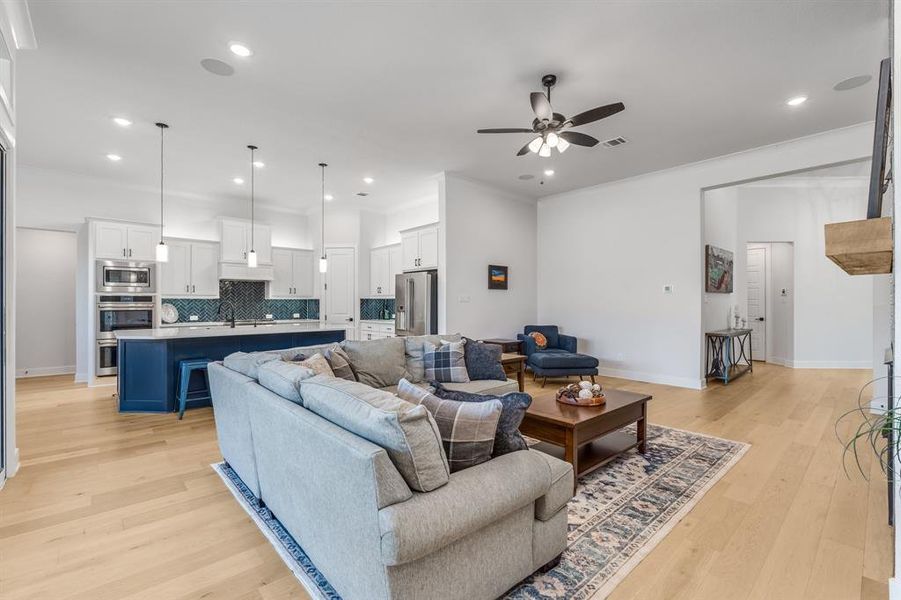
point(497, 277)
point(718, 270)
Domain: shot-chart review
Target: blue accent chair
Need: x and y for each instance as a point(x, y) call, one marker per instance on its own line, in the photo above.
point(559, 359)
point(184, 394)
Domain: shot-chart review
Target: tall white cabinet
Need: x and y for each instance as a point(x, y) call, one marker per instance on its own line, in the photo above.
point(419, 248)
point(384, 264)
point(125, 241)
point(191, 271)
point(292, 273)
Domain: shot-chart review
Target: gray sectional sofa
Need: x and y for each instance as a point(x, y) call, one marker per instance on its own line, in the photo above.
point(346, 503)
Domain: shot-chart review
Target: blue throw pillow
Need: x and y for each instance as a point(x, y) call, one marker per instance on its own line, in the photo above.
point(507, 438)
point(483, 361)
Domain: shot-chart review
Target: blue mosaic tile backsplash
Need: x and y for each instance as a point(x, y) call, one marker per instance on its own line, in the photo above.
point(374, 308)
point(249, 300)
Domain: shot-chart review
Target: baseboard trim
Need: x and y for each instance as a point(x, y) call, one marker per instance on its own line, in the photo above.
point(44, 371)
point(829, 364)
point(683, 382)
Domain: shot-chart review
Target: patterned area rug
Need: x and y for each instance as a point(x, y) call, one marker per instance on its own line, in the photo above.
point(619, 514)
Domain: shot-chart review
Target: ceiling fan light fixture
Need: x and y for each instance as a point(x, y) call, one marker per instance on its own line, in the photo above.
point(562, 145)
point(545, 151)
point(535, 145)
point(553, 139)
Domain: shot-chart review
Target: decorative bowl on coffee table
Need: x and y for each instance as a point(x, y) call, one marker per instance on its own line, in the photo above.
point(583, 393)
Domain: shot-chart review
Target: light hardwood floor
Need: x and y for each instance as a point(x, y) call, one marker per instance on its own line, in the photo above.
point(110, 506)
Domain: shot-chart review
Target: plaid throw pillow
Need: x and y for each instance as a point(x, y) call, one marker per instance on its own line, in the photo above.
point(467, 428)
point(446, 364)
point(340, 364)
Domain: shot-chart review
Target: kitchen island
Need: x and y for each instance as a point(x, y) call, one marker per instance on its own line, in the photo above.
point(148, 358)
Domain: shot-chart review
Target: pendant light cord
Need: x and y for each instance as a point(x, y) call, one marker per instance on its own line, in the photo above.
point(323, 166)
point(252, 150)
point(162, 127)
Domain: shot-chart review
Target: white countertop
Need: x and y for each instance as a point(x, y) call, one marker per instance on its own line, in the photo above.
point(224, 324)
point(218, 330)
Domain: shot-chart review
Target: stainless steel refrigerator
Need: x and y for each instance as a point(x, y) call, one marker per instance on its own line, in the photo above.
point(416, 303)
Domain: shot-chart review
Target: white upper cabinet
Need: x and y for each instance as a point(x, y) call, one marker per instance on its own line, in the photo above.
point(292, 275)
point(384, 264)
point(232, 241)
point(419, 248)
point(192, 269)
point(262, 243)
point(124, 241)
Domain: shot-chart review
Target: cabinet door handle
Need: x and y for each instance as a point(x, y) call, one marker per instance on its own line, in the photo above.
point(124, 252)
point(129, 252)
point(193, 289)
point(187, 288)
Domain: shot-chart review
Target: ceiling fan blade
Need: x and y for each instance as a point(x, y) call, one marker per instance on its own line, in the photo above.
point(596, 114)
point(541, 106)
point(579, 139)
point(524, 150)
point(505, 130)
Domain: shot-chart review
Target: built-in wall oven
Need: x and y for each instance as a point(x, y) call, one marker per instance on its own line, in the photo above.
point(118, 313)
point(125, 277)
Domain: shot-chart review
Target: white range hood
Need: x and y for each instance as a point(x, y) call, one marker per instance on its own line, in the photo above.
point(244, 273)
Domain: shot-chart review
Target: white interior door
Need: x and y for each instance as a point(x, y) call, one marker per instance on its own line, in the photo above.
point(339, 287)
point(757, 300)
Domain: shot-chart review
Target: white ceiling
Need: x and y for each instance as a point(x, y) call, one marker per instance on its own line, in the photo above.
point(396, 90)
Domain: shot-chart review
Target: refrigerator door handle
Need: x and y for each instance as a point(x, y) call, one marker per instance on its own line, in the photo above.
point(411, 301)
point(427, 322)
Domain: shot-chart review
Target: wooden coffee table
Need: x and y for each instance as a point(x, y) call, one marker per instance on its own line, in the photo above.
point(589, 437)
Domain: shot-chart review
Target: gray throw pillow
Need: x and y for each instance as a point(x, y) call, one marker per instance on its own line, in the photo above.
point(377, 363)
point(340, 364)
point(483, 361)
point(508, 439)
point(248, 363)
point(283, 378)
point(446, 363)
point(467, 429)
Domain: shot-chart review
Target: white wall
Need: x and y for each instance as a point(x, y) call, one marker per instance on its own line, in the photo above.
point(410, 216)
point(605, 253)
point(45, 302)
point(721, 230)
point(51, 199)
point(481, 225)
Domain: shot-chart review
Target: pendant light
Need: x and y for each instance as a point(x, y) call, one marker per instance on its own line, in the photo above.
point(252, 255)
point(162, 250)
point(323, 263)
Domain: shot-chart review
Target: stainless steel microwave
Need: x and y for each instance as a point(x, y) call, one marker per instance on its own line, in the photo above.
point(121, 277)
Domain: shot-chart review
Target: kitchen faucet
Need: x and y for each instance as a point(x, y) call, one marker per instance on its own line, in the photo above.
point(231, 306)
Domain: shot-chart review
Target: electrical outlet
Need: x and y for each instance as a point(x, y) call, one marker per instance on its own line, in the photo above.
point(667, 288)
point(464, 299)
point(269, 317)
point(193, 318)
point(295, 316)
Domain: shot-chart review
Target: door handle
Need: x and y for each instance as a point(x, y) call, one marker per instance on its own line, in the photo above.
point(760, 318)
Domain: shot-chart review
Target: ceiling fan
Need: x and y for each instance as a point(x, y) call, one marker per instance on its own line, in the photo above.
point(552, 129)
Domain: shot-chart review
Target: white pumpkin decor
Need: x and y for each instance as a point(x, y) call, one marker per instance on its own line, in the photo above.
point(585, 394)
point(585, 385)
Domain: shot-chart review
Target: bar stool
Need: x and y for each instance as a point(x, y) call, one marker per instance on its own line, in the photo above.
point(185, 368)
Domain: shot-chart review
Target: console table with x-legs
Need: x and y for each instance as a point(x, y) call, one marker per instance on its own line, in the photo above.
point(723, 360)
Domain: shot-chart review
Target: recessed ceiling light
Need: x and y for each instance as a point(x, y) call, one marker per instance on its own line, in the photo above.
point(796, 101)
point(121, 121)
point(239, 49)
point(259, 164)
point(114, 157)
point(548, 172)
point(329, 197)
point(238, 180)
point(368, 180)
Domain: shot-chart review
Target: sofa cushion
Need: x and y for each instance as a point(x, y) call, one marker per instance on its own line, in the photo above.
point(474, 499)
point(340, 363)
point(414, 347)
point(445, 363)
point(507, 439)
point(283, 377)
point(377, 363)
point(248, 363)
point(406, 431)
point(483, 361)
point(467, 428)
point(559, 359)
point(548, 331)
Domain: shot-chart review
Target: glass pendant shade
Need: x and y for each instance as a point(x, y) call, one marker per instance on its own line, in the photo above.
point(552, 139)
point(323, 265)
point(252, 259)
point(545, 151)
point(562, 145)
point(535, 145)
point(162, 252)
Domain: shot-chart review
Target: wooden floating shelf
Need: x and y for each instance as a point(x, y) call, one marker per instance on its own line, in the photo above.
point(861, 247)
